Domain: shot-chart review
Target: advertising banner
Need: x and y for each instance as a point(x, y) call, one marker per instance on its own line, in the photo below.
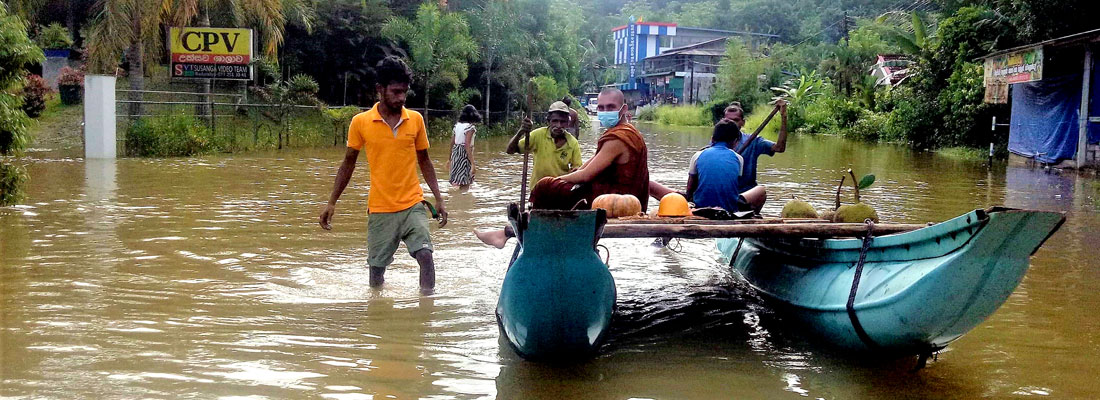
point(210, 53)
point(632, 50)
point(1015, 67)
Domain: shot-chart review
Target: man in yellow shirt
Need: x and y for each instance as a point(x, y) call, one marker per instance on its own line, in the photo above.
point(555, 151)
point(396, 141)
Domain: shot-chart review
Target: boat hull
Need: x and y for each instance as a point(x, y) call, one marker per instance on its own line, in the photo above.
point(918, 290)
point(558, 297)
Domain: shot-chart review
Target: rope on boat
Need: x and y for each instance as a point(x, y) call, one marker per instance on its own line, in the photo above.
point(737, 250)
point(679, 246)
point(867, 239)
point(606, 261)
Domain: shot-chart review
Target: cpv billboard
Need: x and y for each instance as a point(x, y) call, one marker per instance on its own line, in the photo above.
point(210, 53)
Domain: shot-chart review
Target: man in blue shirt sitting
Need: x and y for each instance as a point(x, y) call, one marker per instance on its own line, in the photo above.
point(715, 173)
point(752, 193)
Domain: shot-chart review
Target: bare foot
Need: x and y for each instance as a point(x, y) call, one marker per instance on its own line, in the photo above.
point(377, 276)
point(497, 238)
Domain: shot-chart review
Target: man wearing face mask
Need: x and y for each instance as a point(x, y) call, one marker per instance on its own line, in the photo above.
point(620, 166)
point(555, 151)
point(621, 162)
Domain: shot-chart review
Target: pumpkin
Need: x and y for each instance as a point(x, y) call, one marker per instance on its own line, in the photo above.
point(618, 205)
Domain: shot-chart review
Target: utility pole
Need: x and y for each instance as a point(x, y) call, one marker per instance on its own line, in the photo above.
point(692, 88)
point(844, 27)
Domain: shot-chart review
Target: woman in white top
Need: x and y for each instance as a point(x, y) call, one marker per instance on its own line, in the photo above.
point(461, 161)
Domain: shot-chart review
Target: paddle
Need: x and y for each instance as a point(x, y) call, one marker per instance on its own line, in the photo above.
point(758, 129)
point(526, 149)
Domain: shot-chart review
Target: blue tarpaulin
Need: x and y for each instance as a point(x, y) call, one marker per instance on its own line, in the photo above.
point(1094, 128)
point(1044, 118)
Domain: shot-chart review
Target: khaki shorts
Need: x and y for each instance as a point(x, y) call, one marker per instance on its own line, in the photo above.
point(384, 230)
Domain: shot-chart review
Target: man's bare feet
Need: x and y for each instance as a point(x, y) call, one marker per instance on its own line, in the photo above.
point(497, 238)
point(377, 276)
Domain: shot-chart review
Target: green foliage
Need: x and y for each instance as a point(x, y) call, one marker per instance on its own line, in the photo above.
point(340, 119)
point(866, 181)
point(54, 36)
point(169, 136)
point(869, 127)
point(461, 96)
point(906, 30)
point(16, 52)
point(850, 59)
point(801, 90)
point(738, 75)
point(12, 180)
point(646, 113)
point(684, 115)
point(547, 90)
point(756, 118)
point(285, 96)
point(34, 95)
point(336, 52)
point(343, 114)
point(829, 113)
point(303, 86)
point(440, 46)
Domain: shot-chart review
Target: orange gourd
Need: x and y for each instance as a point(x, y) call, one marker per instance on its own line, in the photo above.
point(618, 205)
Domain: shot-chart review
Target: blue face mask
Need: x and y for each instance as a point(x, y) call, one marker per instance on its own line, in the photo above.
point(608, 118)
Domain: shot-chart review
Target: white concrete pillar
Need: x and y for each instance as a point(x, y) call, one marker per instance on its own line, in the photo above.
point(99, 116)
point(1083, 113)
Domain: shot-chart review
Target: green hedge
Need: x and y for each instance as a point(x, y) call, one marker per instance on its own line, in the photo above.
point(173, 135)
point(12, 179)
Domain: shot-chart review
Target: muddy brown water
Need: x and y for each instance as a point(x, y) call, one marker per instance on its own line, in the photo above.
point(209, 278)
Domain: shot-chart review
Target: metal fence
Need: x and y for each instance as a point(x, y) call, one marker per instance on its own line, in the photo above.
point(239, 122)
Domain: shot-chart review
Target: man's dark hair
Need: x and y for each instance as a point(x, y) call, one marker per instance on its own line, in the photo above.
point(469, 115)
point(726, 131)
point(735, 106)
point(567, 100)
point(392, 70)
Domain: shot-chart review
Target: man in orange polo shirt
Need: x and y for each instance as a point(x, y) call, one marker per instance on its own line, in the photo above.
point(395, 140)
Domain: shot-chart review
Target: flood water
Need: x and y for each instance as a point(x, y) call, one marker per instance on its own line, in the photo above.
point(209, 278)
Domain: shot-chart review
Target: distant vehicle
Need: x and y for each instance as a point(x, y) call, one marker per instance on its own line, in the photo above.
point(590, 106)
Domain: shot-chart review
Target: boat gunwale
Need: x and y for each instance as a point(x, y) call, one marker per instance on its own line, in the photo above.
point(880, 243)
point(881, 302)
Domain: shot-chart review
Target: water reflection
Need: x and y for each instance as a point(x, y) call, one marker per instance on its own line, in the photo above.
point(208, 277)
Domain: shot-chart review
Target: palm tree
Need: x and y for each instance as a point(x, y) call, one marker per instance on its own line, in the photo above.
point(496, 27)
point(439, 44)
point(911, 39)
point(134, 26)
point(130, 26)
point(268, 18)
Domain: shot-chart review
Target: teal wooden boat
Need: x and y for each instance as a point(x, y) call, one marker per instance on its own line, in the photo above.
point(557, 297)
point(917, 291)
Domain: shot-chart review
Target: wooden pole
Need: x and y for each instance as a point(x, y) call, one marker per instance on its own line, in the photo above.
point(758, 130)
point(1083, 116)
point(526, 149)
point(791, 230)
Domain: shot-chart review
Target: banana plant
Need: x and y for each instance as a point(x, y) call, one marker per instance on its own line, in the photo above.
point(796, 91)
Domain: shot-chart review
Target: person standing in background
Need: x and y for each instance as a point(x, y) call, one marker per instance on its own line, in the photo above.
point(461, 160)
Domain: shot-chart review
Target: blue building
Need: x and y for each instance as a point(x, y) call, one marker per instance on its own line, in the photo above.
point(638, 41)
